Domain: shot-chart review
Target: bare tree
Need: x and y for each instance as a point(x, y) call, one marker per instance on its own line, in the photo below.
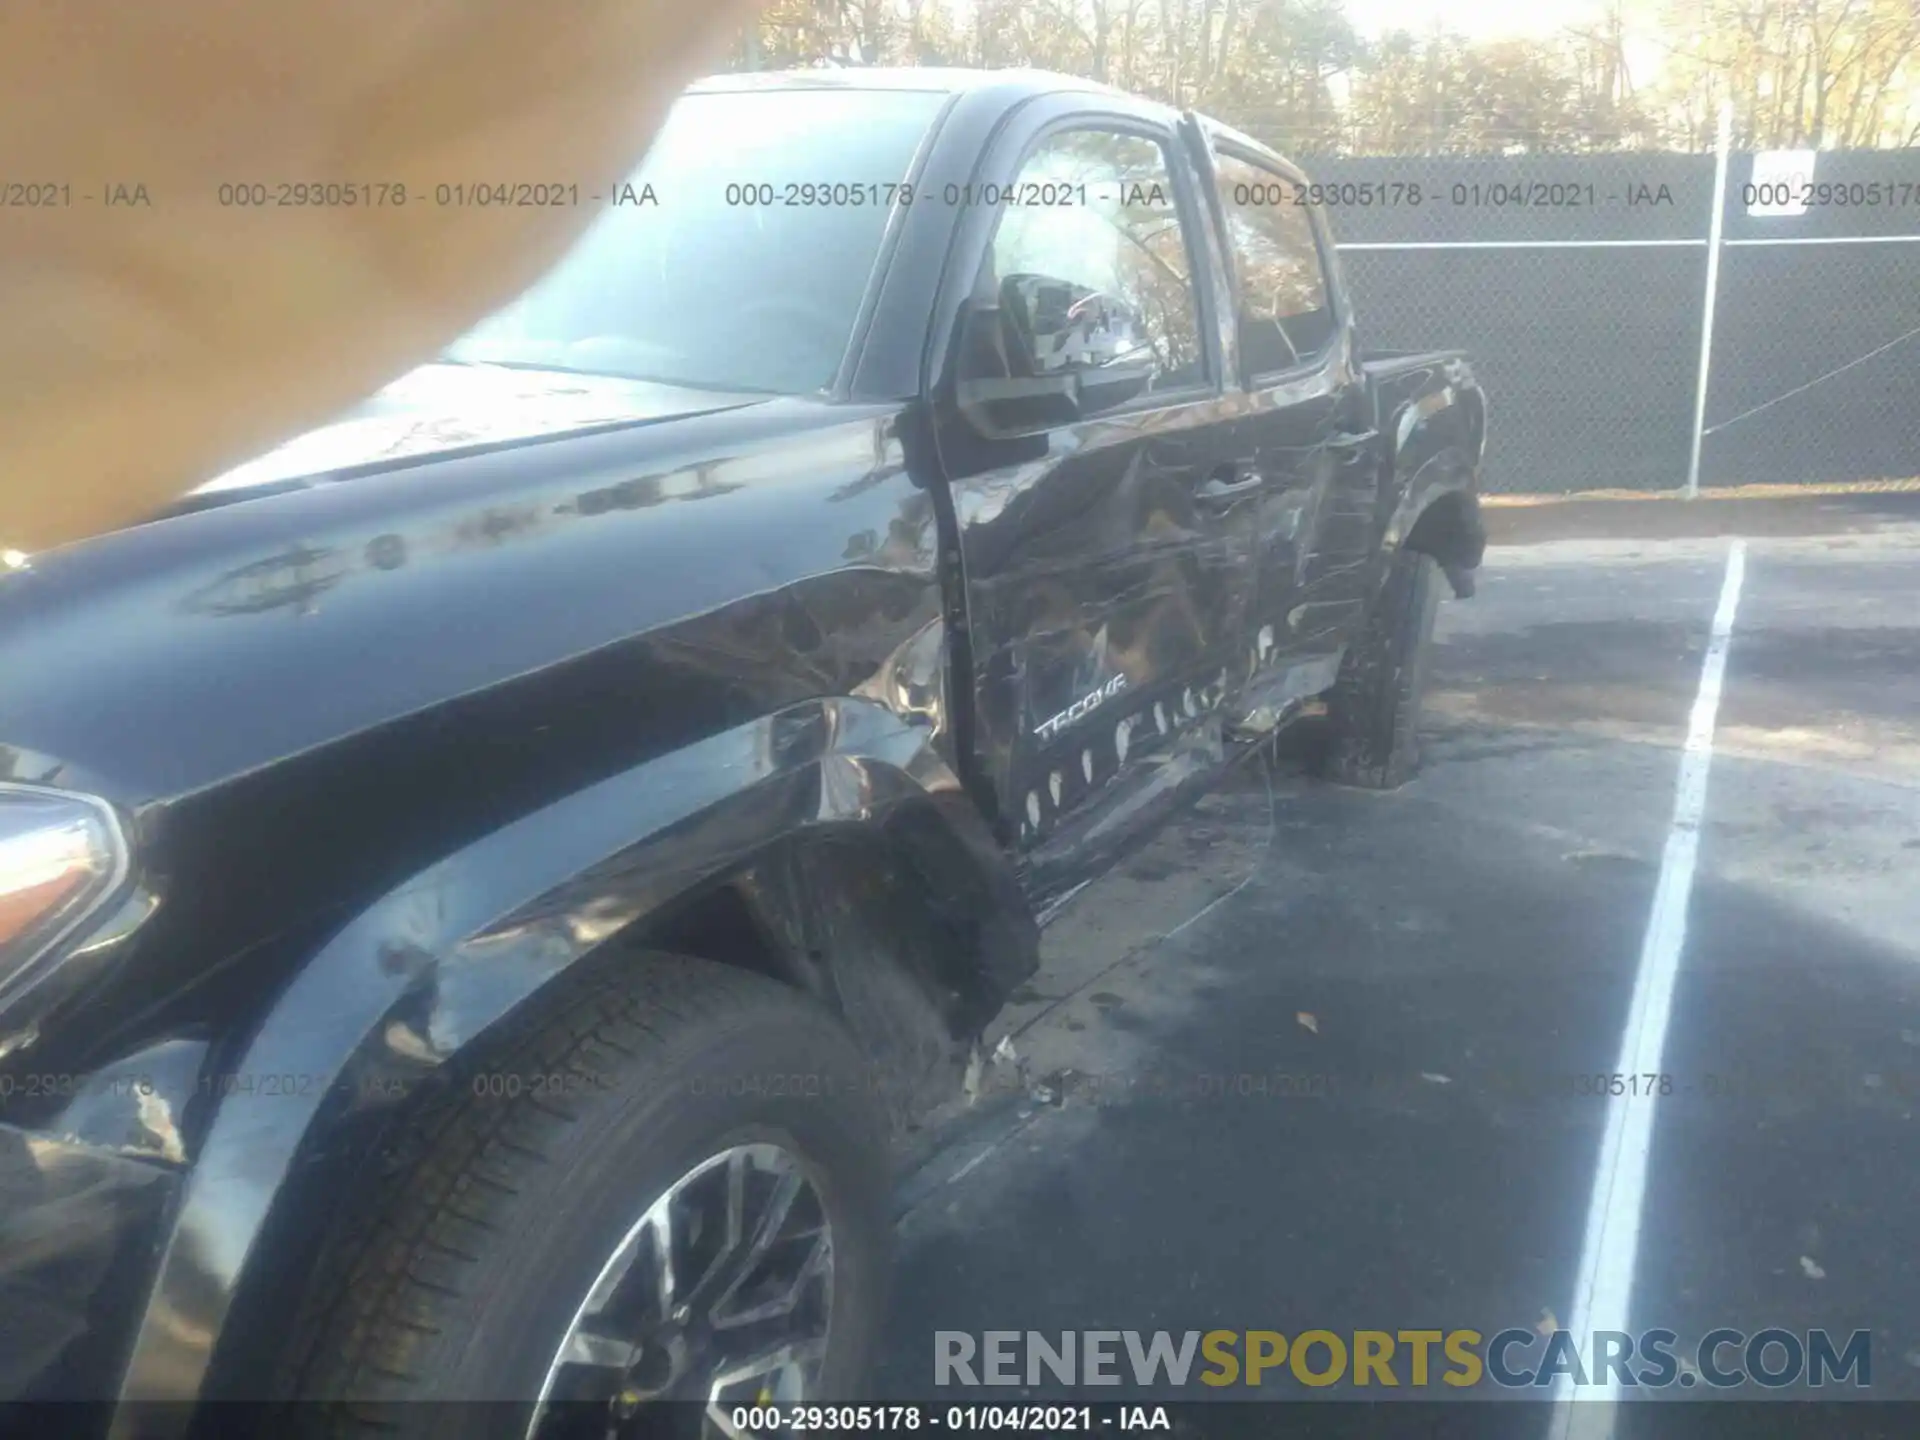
point(1800, 72)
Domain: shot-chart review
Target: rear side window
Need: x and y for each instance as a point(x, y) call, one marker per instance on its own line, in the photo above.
point(1285, 318)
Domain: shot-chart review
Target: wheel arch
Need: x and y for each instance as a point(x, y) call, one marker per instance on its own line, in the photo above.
point(1439, 513)
point(802, 837)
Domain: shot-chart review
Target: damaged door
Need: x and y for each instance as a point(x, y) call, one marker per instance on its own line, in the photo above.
point(1310, 427)
point(1104, 527)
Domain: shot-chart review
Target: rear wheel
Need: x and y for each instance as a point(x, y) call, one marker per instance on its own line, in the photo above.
point(675, 1189)
point(1373, 710)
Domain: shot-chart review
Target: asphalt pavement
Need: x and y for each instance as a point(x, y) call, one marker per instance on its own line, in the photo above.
point(1320, 1059)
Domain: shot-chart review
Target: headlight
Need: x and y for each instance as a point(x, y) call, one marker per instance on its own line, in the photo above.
point(60, 855)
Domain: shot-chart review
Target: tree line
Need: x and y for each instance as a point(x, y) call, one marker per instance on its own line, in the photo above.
point(1814, 74)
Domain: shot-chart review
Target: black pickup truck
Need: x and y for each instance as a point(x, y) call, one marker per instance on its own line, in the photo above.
point(484, 886)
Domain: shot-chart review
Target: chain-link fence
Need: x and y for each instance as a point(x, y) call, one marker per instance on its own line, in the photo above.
point(1579, 285)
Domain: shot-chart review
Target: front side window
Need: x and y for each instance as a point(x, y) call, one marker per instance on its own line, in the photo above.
point(1285, 318)
point(1089, 270)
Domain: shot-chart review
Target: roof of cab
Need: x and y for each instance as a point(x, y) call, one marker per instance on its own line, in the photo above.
point(943, 80)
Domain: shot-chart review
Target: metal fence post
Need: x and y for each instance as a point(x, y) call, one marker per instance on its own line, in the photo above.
point(1722, 141)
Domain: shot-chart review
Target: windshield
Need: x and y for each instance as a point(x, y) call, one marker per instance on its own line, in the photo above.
point(736, 257)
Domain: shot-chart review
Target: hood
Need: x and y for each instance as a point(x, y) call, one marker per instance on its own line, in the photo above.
point(445, 406)
point(164, 658)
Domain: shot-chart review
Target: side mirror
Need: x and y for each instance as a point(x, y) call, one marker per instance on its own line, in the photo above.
point(1110, 386)
point(1021, 404)
point(998, 401)
point(1048, 354)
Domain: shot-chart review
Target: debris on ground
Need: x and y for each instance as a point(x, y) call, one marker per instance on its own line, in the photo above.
point(1052, 1089)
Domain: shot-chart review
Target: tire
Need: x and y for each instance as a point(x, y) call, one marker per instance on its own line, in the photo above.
point(1373, 710)
point(461, 1270)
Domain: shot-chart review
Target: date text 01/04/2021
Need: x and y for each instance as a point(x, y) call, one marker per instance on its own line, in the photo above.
point(460, 195)
point(956, 1419)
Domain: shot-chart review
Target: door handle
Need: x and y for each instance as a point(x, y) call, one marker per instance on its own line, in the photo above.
point(1229, 483)
point(1351, 441)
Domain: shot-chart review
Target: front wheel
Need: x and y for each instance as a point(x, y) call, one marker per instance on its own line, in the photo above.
point(675, 1190)
point(1373, 710)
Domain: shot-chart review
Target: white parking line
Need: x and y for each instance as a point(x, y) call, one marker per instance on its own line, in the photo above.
point(1603, 1288)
